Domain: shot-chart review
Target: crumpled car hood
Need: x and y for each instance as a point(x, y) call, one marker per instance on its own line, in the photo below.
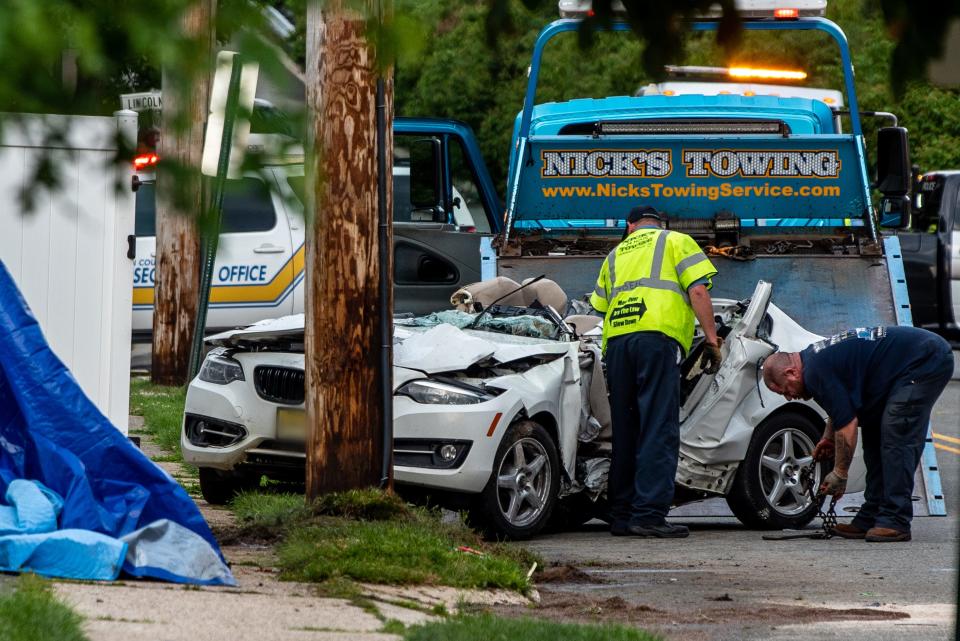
point(285, 327)
point(445, 348)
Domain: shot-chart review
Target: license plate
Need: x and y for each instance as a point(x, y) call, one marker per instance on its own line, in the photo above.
point(291, 424)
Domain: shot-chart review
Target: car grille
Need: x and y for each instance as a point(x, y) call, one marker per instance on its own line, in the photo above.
point(279, 384)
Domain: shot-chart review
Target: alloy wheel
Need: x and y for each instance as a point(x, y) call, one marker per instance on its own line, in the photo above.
point(523, 482)
point(783, 456)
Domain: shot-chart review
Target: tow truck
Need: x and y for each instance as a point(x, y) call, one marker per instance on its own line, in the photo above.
point(770, 178)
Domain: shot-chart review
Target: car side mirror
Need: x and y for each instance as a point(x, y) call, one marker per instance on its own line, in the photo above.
point(894, 173)
point(894, 176)
point(895, 212)
point(425, 185)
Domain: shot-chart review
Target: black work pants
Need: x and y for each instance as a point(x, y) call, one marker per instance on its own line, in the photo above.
point(892, 448)
point(643, 376)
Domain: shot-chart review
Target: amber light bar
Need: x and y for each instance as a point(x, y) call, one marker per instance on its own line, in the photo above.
point(766, 74)
point(786, 14)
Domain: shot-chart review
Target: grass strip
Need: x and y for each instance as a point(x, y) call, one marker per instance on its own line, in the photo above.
point(490, 628)
point(32, 613)
point(374, 537)
point(162, 410)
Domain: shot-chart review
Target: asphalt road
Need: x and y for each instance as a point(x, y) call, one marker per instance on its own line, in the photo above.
point(725, 582)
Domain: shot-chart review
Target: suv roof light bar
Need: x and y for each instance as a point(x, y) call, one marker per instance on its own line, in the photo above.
point(689, 127)
point(748, 9)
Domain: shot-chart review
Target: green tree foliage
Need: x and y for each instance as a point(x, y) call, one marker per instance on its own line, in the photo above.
point(461, 74)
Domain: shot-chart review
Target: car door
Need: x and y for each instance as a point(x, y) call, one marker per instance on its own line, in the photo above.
point(950, 237)
point(253, 277)
point(919, 248)
point(718, 395)
point(439, 221)
point(144, 262)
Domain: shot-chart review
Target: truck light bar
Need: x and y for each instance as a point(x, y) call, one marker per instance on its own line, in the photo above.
point(766, 74)
point(686, 128)
point(748, 9)
point(739, 72)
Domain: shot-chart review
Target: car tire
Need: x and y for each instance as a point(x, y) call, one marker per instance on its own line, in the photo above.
point(780, 446)
point(521, 494)
point(218, 487)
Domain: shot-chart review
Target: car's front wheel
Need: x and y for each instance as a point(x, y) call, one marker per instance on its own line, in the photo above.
point(767, 493)
point(522, 491)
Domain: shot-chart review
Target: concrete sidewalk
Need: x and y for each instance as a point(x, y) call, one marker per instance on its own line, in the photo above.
point(261, 607)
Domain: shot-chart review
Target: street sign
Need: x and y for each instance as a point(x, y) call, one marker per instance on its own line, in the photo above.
point(142, 101)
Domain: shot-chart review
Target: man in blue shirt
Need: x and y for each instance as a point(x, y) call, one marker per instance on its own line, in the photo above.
point(883, 383)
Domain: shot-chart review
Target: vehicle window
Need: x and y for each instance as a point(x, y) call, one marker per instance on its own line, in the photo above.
point(145, 211)
point(299, 186)
point(247, 207)
point(468, 211)
point(401, 192)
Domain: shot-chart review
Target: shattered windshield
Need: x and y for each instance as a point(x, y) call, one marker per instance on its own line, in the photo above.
point(520, 325)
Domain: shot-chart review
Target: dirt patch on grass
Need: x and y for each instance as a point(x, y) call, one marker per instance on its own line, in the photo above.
point(563, 574)
point(235, 535)
point(557, 606)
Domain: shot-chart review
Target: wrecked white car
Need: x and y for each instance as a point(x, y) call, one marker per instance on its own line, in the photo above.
point(505, 413)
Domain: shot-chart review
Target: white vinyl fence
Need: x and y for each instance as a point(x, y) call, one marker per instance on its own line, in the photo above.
point(68, 254)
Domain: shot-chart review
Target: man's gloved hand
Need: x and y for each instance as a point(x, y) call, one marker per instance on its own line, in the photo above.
point(711, 358)
point(823, 450)
point(834, 485)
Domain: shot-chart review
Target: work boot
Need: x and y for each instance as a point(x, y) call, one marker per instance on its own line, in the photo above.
point(848, 531)
point(659, 531)
point(886, 534)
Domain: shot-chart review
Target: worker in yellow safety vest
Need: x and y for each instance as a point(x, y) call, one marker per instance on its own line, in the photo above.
point(650, 288)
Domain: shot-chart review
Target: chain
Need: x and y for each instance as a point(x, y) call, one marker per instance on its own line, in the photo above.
point(828, 518)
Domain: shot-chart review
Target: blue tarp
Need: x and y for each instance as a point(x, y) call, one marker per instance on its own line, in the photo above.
point(89, 472)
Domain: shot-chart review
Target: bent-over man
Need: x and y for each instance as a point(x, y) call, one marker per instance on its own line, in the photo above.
point(881, 382)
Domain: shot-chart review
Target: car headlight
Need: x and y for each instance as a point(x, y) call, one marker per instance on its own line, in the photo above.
point(434, 392)
point(220, 369)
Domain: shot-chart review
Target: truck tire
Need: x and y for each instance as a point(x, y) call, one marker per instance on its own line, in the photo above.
point(521, 494)
point(766, 494)
point(218, 487)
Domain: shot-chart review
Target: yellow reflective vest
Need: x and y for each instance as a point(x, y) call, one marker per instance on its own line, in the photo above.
point(643, 284)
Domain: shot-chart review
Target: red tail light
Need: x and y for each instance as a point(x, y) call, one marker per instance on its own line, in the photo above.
point(143, 161)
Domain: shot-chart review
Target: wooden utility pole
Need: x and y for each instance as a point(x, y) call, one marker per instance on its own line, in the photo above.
point(343, 310)
point(178, 244)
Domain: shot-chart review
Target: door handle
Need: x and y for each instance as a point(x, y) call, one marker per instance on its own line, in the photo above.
point(268, 249)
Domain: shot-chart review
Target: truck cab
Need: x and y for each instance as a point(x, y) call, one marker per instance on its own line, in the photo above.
point(931, 253)
point(445, 213)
